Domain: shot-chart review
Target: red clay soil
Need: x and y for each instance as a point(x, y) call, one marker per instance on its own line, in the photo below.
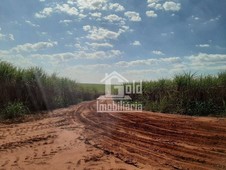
point(80, 138)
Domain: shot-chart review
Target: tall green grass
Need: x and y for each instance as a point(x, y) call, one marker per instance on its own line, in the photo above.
point(39, 91)
point(32, 89)
point(186, 94)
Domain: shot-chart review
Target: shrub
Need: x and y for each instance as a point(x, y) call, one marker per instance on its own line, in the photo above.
point(14, 110)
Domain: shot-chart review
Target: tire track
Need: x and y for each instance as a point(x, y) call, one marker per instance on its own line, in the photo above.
point(192, 147)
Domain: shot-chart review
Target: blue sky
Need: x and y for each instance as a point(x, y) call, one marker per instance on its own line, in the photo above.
point(141, 39)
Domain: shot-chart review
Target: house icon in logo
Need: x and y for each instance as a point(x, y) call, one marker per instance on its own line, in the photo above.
point(111, 87)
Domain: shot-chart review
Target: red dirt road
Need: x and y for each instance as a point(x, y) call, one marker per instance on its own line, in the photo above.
point(80, 138)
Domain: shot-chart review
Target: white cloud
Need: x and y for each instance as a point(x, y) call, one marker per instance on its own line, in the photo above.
point(133, 16)
point(101, 33)
point(215, 19)
point(136, 43)
point(57, 57)
point(113, 18)
point(28, 47)
point(155, 6)
point(60, 8)
point(18, 60)
point(80, 47)
point(65, 8)
point(158, 6)
point(148, 62)
point(86, 27)
point(135, 63)
point(99, 54)
point(158, 52)
point(171, 6)
point(69, 33)
point(171, 59)
point(145, 71)
point(11, 37)
point(44, 13)
point(31, 24)
point(195, 18)
point(152, 1)
point(208, 58)
point(203, 45)
point(6, 37)
point(116, 6)
point(80, 55)
point(100, 45)
point(66, 21)
point(91, 4)
point(151, 14)
point(96, 14)
point(164, 34)
point(126, 28)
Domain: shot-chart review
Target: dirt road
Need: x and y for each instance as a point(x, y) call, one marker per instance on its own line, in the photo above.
point(80, 138)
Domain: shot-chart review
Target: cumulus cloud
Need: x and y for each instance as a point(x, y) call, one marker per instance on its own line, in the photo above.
point(145, 71)
point(80, 55)
point(57, 57)
point(65, 8)
point(171, 6)
point(157, 52)
point(215, 19)
point(203, 45)
point(11, 37)
point(98, 5)
point(66, 21)
point(96, 33)
point(28, 47)
point(113, 18)
point(99, 54)
point(79, 7)
point(208, 58)
point(195, 18)
point(92, 4)
point(152, 1)
point(133, 16)
point(6, 36)
point(44, 13)
point(100, 45)
point(86, 27)
point(60, 8)
point(167, 6)
point(154, 4)
point(116, 6)
point(96, 14)
point(31, 24)
point(136, 43)
point(148, 62)
point(151, 14)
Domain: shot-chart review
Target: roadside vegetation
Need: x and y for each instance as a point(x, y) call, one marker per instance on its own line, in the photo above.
point(29, 90)
point(98, 88)
point(186, 94)
point(26, 91)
